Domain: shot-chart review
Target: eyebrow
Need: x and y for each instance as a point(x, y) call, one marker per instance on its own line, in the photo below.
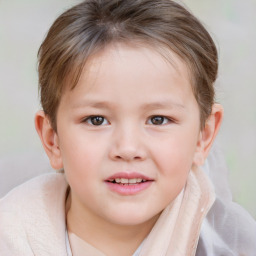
point(163, 104)
point(147, 106)
point(93, 104)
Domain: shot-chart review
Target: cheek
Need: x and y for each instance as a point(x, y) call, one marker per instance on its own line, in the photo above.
point(81, 155)
point(81, 165)
point(174, 158)
point(175, 153)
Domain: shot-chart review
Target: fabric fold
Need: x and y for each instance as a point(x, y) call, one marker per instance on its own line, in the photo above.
point(178, 228)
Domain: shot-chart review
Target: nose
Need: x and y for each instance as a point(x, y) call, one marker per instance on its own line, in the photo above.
point(127, 145)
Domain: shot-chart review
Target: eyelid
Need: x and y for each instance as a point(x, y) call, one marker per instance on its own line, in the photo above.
point(88, 120)
point(167, 120)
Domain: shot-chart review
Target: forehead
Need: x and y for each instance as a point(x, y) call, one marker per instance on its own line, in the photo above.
point(116, 48)
point(134, 59)
point(135, 68)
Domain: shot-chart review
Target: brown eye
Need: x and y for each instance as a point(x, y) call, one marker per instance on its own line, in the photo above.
point(96, 120)
point(158, 120)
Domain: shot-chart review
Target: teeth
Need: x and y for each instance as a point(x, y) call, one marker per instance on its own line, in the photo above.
point(124, 181)
point(117, 180)
point(127, 181)
point(133, 181)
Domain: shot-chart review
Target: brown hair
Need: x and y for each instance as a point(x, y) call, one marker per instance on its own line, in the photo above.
point(93, 24)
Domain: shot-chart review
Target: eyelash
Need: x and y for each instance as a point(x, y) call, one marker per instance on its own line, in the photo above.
point(90, 122)
point(164, 119)
point(103, 121)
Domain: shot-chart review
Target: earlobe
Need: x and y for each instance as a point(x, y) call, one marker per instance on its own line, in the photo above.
point(208, 134)
point(49, 139)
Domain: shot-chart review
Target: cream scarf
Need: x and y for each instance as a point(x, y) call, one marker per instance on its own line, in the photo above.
point(177, 230)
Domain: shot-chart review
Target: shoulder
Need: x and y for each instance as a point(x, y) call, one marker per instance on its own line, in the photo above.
point(31, 213)
point(30, 192)
point(227, 230)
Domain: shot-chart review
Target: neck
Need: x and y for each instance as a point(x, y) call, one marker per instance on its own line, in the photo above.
point(109, 238)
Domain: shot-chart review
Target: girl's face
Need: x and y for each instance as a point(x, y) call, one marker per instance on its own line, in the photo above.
point(128, 134)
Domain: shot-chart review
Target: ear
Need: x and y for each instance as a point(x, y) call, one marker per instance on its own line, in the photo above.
point(49, 139)
point(208, 134)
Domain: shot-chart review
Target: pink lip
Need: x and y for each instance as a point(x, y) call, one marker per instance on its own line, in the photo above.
point(129, 175)
point(126, 190)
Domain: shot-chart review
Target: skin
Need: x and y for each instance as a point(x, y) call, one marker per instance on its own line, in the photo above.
point(129, 88)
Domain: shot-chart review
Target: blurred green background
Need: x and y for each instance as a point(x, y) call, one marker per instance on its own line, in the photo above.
point(232, 23)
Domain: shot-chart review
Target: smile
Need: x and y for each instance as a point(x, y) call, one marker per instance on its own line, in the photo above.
point(128, 183)
point(124, 181)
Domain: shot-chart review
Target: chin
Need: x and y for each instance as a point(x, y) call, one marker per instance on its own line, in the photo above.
point(133, 218)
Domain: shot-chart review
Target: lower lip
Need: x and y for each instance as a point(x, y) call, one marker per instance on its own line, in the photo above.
point(128, 189)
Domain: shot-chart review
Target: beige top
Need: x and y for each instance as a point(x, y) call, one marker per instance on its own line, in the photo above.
point(80, 248)
point(40, 204)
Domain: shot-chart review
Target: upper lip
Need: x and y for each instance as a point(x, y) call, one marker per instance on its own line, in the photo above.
point(129, 175)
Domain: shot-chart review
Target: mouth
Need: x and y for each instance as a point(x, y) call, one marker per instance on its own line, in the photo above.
point(128, 183)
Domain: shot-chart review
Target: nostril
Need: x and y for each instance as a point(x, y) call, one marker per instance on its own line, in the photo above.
point(128, 157)
point(127, 151)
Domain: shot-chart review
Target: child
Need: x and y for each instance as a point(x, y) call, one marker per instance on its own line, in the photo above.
point(129, 116)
